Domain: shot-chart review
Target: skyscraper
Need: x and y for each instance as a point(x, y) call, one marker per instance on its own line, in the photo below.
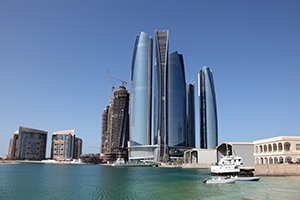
point(208, 109)
point(120, 121)
point(191, 142)
point(160, 98)
point(141, 91)
point(105, 132)
point(176, 101)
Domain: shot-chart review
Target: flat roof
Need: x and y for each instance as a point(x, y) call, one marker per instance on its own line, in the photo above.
point(275, 139)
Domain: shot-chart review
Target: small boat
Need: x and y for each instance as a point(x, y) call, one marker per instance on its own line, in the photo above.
point(119, 162)
point(246, 178)
point(219, 180)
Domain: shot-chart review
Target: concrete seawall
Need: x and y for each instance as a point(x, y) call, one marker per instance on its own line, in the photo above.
point(277, 169)
point(196, 166)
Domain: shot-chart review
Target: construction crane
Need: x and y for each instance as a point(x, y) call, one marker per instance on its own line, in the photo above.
point(123, 82)
point(112, 88)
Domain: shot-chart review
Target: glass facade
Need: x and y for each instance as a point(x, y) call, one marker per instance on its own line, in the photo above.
point(176, 101)
point(160, 65)
point(32, 144)
point(208, 109)
point(141, 91)
point(191, 142)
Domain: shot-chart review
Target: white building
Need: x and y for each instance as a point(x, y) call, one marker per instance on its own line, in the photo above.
point(283, 149)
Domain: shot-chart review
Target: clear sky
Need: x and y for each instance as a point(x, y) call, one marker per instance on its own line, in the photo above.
point(54, 56)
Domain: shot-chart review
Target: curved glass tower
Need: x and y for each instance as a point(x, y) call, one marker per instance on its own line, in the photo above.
point(208, 109)
point(176, 102)
point(190, 139)
point(141, 91)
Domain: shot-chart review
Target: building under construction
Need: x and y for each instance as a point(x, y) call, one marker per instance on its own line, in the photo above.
point(115, 126)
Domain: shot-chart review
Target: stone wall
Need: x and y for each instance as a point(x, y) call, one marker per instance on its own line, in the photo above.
point(196, 166)
point(277, 169)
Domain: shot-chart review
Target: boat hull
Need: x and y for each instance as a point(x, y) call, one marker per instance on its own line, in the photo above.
point(248, 179)
point(220, 181)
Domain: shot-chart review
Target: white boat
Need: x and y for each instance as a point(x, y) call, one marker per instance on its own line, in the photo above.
point(227, 165)
point(219, 180)
point(119, 161)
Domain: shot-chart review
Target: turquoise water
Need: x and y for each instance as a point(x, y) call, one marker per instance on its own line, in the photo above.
point(62, 181)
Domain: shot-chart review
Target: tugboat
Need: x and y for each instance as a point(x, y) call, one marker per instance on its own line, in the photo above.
point(230, 166)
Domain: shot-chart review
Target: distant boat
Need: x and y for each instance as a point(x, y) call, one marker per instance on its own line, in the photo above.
point(219, 180)
point(246, 178)
point(120, 162)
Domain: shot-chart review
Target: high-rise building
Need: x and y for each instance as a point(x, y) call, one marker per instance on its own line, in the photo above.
point(120, 121)
point(141, 91)
point(105, 132)
point(176, 101)
point(191, 142)
point(208, 109)
point(77, 148)
point(31, 144)
point(160, 98)
point(63, 145)
point(12, 150)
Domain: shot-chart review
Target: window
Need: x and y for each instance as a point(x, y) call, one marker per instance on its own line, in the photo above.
point(266, 160)
point(260, 148)
point(270, 148)
point(274, 147)
point(280, 147)
point(288, 160)
point(270, 160)
point(287, 146)
point(298, 147)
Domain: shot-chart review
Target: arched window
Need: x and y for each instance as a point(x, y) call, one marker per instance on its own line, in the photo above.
point(280, 160)
point(270, 148)
point(270, 160)
point(287, 146)
point(279, 147)
point(260, 149)
point(275, 160)
point(265, 148)
point(288, 159)
point(256, 149)
point(261, 161)
point(257, 161)
point(274, 147)
point(266, 161)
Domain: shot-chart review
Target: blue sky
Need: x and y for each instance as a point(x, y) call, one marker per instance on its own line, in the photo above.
point(54, 56)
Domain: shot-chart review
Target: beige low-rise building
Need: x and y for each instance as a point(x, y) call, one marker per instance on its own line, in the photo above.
point(283, 149)
point(277, 156)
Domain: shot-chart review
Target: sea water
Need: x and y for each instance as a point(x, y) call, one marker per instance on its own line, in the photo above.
point(68, 181)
